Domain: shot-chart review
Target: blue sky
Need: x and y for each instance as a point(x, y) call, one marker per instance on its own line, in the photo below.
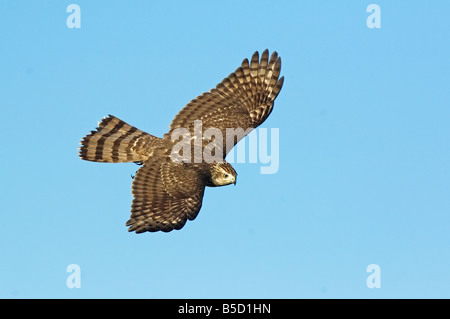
point(364, 136)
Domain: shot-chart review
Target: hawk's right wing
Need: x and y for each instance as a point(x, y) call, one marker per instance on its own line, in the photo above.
point(243, 100)
point(166, 195)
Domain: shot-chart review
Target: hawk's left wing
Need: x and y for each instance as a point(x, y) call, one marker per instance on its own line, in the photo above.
point(242, 100)
point(165, 195)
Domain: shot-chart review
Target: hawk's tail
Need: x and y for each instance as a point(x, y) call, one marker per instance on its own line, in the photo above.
point(115, 141)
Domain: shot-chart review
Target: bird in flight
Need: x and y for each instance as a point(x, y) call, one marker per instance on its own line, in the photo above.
point(168, 188)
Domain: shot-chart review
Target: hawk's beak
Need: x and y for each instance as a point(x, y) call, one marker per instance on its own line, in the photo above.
point(235, 180)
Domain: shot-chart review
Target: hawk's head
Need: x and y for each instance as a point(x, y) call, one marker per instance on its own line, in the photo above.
point(222, 174)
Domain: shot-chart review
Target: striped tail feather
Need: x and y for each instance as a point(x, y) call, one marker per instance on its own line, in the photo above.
point(115, 141)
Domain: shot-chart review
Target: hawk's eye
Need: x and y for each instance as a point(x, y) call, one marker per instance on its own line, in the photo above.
point(225, 175)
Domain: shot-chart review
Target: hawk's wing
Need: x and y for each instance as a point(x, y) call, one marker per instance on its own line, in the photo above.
point(165, 196)
point(242, 100)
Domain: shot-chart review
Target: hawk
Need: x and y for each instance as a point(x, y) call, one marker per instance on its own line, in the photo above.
point(168, 191)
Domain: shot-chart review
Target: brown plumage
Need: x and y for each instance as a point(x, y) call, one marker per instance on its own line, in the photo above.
point(168, 191)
